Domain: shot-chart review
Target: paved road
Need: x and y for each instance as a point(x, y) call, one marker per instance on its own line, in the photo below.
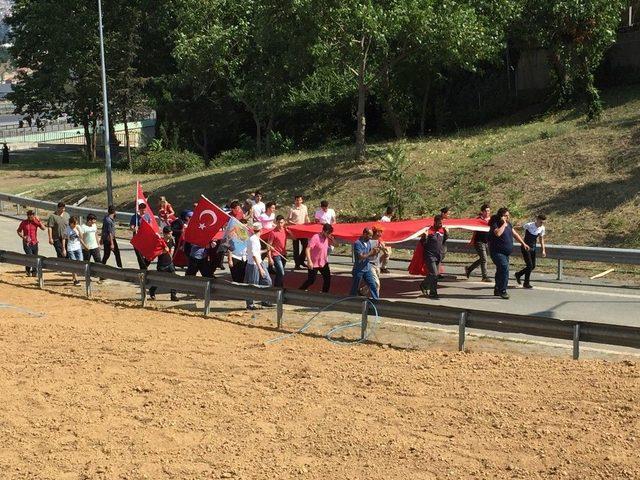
point(571, 299)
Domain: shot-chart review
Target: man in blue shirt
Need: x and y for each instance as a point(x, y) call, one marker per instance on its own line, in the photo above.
point(134, 224)
point(362, 264)
point(501, 235)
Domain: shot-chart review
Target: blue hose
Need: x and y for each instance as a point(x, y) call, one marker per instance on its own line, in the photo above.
point(329, 335)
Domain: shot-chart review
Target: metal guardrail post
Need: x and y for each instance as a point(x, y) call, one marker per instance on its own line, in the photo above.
point(365, 320)
point(576, 341)
point(462, 327)
point(142, 280)
point(40, 274)
point(87, 280)
point(279, 308)
point(560, 269)
point(207, 298)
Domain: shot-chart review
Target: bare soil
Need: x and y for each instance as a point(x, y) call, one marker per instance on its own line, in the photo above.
point(104, 390)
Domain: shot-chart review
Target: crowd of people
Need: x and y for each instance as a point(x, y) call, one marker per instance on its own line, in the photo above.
point(264, 253)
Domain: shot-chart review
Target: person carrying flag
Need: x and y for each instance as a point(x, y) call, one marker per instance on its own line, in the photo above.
point(277, 240)
point(165, 262)
point(256, 270)
point(432, 243)
point(134, 226)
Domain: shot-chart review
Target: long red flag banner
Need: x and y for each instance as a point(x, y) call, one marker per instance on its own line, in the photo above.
point(392, 232)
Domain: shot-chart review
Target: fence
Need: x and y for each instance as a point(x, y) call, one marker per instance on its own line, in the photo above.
point(209, 289)
point(558, 252)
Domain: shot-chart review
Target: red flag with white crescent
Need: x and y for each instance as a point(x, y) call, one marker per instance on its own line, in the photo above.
point(207, 220)
point(140, 198)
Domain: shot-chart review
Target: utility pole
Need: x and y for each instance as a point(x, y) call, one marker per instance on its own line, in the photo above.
point(105, 122)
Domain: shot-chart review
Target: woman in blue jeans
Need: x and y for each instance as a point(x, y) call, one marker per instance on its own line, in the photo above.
point(501, 235)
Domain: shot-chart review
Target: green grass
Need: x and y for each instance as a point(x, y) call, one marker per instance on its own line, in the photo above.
point(585, 177)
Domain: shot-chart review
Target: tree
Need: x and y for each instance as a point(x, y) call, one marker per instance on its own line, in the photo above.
point(577, 34)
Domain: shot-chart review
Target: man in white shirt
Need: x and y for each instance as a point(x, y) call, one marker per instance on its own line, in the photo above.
point(268, 217)
point(256, 270)
point(325, 214)
point(258, 207)
point(388, 215)
point(532, 232)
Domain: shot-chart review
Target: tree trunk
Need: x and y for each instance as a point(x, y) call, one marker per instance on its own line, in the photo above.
point(361, 126)
point(388, 104)
point(425, 104)
point(94, 139)
point(113, 141)
point(127, 140)
point(88, 150)
point(267, 136)
point(204, 146)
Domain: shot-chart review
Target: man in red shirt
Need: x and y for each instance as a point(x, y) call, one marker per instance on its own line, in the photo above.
point(277, 239)
point(28, 232)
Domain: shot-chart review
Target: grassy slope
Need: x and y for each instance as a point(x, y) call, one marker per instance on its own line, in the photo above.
point(585, 177)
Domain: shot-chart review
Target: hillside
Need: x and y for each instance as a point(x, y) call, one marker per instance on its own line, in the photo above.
point(585, 177)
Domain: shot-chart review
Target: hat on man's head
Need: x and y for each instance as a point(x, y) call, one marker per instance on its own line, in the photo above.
point(257, 226)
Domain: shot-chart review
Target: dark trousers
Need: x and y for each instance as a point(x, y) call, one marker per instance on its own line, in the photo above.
point(164, 268)
point(369, 279)
point(198, 265)
point(311, 278)
point(30, 250)
point(299, 247)
point(481, 250)
point(107, 253)
point(57, 245)
point(143, 263)
point(94, 253)
point(529, 257)
point(278, 266)
point(430, 282)
point(237, 270)
point(501, 262)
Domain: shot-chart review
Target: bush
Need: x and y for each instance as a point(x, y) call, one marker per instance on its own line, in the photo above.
point(167, 161)
point(234, 156)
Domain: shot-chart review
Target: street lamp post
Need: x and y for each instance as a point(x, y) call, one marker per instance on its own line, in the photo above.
point(105, 122)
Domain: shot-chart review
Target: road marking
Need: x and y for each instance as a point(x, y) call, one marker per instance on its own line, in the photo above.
point(575, 290)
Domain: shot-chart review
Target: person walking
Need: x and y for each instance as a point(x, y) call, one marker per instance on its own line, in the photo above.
point(361, 271)
point(389, 213)
point(73, 244)
point(532, 232)
point(317, 258)
point(256, 270)
point(108, 237)
point(277, 255)
point(388, 217)
point(166, 213)
point(445, 214)
point(199, 261)
point(501, 235)
point(325, 214)
point(298, 215)
point(57, 224)
point(258, 207)
point(5, 154)
point(165, 262)
point(433, 245)
point(90, 239)
point(237, 260)
point(479, 241)
point(28, 232)
point(268, 217)
point(134, 224)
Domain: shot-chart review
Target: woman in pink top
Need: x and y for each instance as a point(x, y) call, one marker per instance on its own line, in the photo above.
point(317, 254)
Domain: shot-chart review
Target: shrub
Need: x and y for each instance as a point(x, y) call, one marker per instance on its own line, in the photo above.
point(234, 156)
point(166, 161)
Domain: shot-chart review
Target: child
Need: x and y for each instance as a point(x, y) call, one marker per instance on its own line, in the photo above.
point(73, 244)
point(165, 262)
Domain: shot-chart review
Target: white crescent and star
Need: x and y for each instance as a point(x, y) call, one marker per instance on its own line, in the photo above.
point(214, 219)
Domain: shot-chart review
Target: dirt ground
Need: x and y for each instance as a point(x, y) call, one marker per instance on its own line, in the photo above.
point(104, 390)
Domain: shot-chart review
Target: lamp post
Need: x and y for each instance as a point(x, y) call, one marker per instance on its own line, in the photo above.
point(105, 122)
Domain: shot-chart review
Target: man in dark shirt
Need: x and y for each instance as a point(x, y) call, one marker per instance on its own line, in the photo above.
point(57, 224)
point(501, 235)
point(134, 224)
point(108, 237)
point(165, 262)
point(433, 242)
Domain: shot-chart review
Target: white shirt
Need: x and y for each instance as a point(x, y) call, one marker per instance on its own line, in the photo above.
point(257, 210)
point(325, 217)
point(89, 235)
point(534, 230)
point(267, 220)
point(253, 249)
point(385, 219)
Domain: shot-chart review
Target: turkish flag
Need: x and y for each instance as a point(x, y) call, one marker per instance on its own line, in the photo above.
point(148, 242)
point(207, 220)
point(140, 198)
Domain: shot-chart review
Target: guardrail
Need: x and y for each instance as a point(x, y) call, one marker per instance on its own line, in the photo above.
point(557, 252)
point(209, 288)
